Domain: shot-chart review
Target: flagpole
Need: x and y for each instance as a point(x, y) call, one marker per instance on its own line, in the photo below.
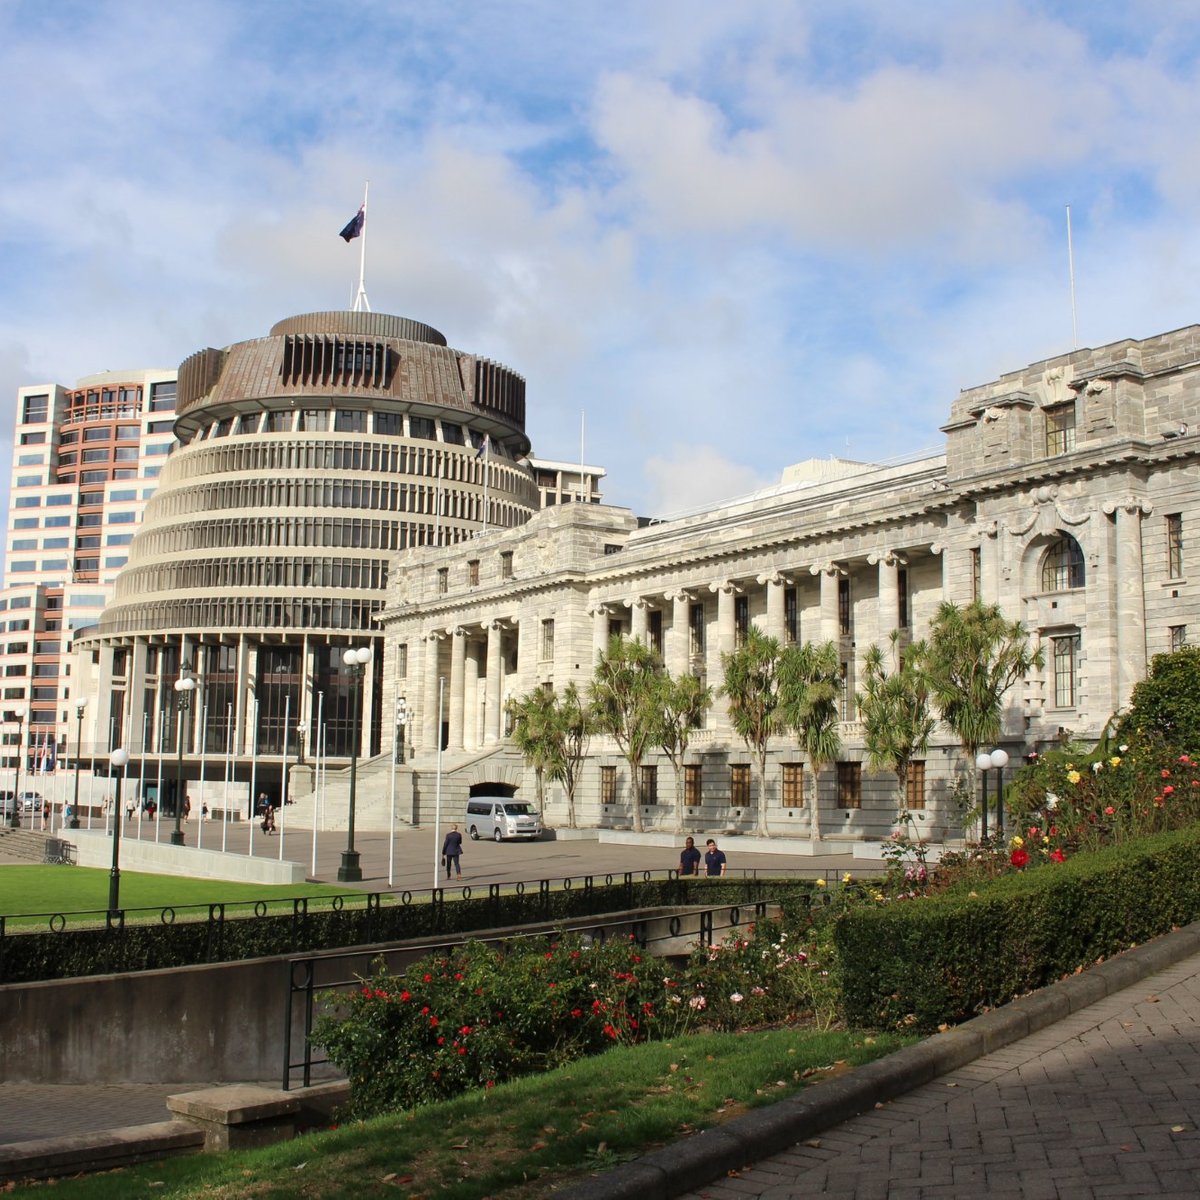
point(1071, 272)
point(253, 776)
point(437, 502)
point(360, 298)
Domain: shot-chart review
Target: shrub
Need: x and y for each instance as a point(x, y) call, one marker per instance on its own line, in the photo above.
point(477, 1016)
point(1166, 704)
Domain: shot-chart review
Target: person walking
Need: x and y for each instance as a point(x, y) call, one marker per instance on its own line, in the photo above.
point(689, 858)
point(714, 859)
point(452, 852)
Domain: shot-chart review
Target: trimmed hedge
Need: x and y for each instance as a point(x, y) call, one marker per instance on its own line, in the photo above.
point(942, 959)
point(40, 955)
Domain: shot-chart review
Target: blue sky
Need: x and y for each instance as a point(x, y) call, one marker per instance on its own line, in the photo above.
point(733, 235)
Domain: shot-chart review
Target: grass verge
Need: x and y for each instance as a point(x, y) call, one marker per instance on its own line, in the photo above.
point(519, 1140)
point(34, 889)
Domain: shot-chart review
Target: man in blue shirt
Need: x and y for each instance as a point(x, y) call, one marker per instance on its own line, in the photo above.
point(714, 859)
point(689, 859)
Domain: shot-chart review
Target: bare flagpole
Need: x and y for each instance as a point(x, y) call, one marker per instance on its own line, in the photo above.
point(1071, 271)
point(360, 298)
point(487, 476)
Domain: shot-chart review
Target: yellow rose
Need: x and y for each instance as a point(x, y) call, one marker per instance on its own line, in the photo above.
point(1115, 761)
point(1074, 776)
point(847, 878)
point(1018, 841)
point(820, 883)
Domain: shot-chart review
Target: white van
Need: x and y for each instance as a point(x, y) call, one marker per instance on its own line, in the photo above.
point(500, 817)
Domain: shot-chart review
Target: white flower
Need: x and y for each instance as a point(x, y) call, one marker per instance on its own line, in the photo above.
point(737, 997)
point(1122, 747)
point(1097, 767)
point(697, 1002)
point(1051, 801)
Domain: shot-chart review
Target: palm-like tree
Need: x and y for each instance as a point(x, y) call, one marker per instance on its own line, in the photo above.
point(974, 656)
point(624, 698)
point(572, 723)
point(751, 685)
point(532, 718)
point(895, 709)
point(682, 702)
point(810, 683)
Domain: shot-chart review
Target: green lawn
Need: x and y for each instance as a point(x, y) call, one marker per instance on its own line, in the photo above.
point(520, 1139)
point(43, 889)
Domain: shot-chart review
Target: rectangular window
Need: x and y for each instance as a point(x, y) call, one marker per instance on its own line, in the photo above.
point(36, 438)
point(27, 502)
point(976, 573)
point(654, 630)
point(162, 397)
point(473, 572)
point(506, 564)
point(902, 599)
point(389, 423)
point(35, 408)
point(402, 661)
point(915, 787)
point(350, 420)
point(843, 605)
point(99, 454)
point(1178, 636)
point(691, 785)
point(1060, 428)
point(791, 617)
point(849, 785)
point(97, 433)
point(608, 785)
point(846, 699)
point(741, 619)
point(547, 653)
point(696, 629)
point(739, 785)
point(422, 427)
point(1175, 545)
point(1066, 656)
point(443, 580)
point(793, 785)
point(649, 785)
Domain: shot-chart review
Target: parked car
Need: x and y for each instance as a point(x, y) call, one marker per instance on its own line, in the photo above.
point(7, 804)
point(500, 817)
point(32, 802)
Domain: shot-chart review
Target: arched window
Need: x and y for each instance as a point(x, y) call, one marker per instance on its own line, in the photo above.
point(1063, 568)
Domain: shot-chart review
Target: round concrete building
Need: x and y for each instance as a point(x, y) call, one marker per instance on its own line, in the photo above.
point(306, 459)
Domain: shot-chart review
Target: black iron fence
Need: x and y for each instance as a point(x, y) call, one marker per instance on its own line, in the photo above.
point(65, 945)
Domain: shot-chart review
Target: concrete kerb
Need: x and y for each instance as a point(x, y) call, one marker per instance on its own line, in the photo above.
point(707, 1156)
point(46, 1158)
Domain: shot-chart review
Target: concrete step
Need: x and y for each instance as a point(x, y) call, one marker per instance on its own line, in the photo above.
point(22, 845)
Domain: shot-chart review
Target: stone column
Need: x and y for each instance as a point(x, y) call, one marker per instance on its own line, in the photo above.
point(639, 620)
point(830, 573)
point(458, 663)
point(472, 697)
point(725, 641)
point(1130, 611)
point(678, 637)
point(775, 619)
point(887, 612)
point(599, 631)
point(493, 709)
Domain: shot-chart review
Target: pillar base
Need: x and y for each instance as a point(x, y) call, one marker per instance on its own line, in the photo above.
point(349, 871)
point(177, 837)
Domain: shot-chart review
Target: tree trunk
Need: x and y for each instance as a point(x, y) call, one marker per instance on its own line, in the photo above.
point(635, 786)
point(814, 828)
point(678, 796)
point(762, 794)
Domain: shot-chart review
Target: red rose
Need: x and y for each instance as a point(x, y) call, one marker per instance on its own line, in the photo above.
point(1057, 856)
point(1019, 858)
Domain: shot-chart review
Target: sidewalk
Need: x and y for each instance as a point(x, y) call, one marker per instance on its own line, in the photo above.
point(1101, 1101)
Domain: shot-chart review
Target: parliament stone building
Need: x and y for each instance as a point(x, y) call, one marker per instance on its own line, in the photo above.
point(1065, 493)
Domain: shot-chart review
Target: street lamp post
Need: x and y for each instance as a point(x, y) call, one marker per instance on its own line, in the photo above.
point(401, 722)
point(301, 730)
point(185, 685)
point(80, 705)
point(985, 762)
point(356, 661)
point(18, 716)
point(118, 758)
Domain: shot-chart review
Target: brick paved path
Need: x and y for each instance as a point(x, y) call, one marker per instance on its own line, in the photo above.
point(1104, 1103)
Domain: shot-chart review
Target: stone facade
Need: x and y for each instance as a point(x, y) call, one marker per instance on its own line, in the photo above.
point(1064, 495)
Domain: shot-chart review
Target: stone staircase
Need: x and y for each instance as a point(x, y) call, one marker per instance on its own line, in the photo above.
point(21, 845)
point(415, 791)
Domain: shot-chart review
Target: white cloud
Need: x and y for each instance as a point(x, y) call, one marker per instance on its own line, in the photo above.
point(695, 476)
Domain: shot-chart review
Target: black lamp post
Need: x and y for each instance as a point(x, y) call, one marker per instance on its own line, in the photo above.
point(401, 723)
point(118, 758)
point(985, 762)
point(185, 685)
point(356, 661)
point(80, 705)
point(18, 715)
